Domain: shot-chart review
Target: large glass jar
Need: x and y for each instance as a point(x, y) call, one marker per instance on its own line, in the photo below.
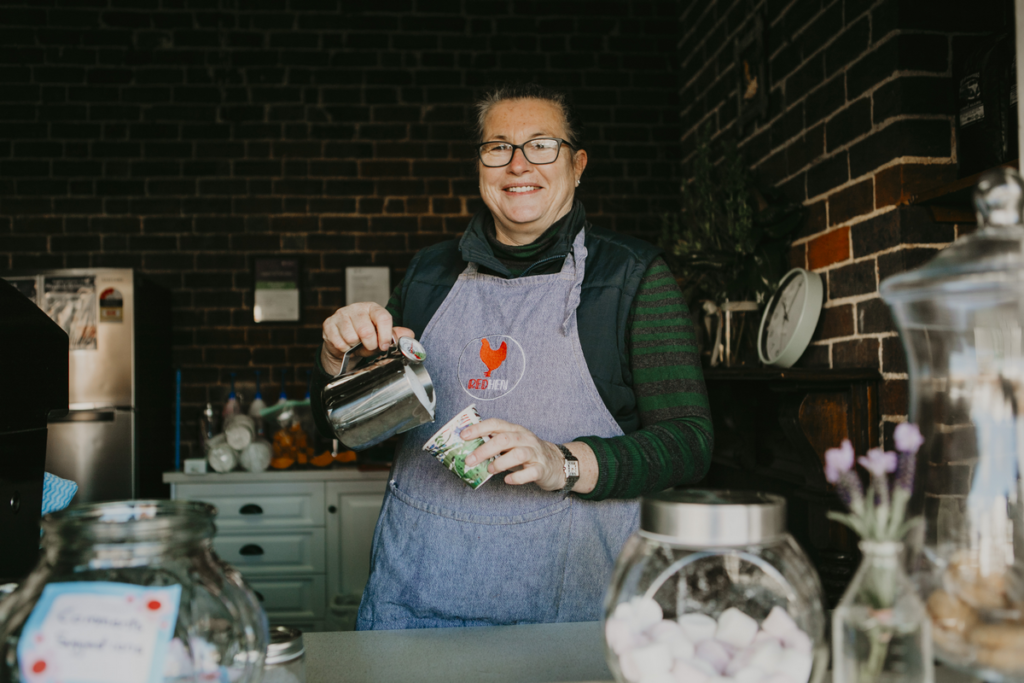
point(961, 320)
point(94, 554)
point(712, 585)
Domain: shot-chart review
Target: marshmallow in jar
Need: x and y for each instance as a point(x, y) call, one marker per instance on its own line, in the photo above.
point(713, 588)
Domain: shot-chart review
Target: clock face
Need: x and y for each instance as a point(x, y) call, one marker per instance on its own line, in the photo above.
point(785, 315)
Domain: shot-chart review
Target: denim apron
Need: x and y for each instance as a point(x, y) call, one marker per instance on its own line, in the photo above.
point(446, 555)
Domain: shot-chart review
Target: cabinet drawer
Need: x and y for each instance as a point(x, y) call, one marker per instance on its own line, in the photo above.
point(277, 504)
point(269, 551)
point(291, 599)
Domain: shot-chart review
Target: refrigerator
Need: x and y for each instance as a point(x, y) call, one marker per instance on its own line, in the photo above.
point(117, 436)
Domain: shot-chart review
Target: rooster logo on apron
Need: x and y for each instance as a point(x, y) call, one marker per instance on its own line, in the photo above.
point(491, 367)
point(492, 358)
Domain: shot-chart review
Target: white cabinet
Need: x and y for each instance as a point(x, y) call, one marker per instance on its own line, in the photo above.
point(301, 539)
point(352, 507)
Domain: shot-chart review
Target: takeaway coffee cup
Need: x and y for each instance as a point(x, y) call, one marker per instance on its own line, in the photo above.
point(449, 448)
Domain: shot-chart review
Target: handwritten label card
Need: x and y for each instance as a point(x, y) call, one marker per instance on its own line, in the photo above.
point(98, 632)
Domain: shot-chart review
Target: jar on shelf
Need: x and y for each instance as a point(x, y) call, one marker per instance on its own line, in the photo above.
point(132, 587)
point(712, 585)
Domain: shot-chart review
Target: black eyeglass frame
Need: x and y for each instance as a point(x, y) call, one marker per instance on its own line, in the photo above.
point(522, 148)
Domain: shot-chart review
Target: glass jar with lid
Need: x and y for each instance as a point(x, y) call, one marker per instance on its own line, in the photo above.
point(712, 587)
point(286, 656)
point(131, 591)
point(961, 321)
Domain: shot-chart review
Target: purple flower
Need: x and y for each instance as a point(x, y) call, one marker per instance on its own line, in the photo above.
point(849, 490)
point(908, 437)
point(879, 462)
point(838, 461)
point(905, 472)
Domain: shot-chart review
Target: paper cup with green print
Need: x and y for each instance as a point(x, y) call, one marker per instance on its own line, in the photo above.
point(449, 448)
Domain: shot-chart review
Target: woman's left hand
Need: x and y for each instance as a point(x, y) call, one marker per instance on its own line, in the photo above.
point(520, 452)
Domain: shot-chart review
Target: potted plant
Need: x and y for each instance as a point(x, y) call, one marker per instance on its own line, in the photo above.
point(728, 247)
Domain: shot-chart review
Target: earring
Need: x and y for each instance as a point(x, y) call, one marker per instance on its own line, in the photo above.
point(577, 182)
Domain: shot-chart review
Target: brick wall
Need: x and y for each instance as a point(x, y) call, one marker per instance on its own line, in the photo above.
point(186, 137)
point(860, 116)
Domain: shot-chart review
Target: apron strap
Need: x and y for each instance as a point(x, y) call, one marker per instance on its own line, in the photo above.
point(579, 259)
point(574, 268)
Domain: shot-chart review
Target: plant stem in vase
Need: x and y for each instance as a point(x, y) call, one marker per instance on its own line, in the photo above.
point(880, 628)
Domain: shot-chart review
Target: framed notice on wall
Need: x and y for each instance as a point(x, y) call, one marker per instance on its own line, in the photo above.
point(276, 290)
point(370, 283)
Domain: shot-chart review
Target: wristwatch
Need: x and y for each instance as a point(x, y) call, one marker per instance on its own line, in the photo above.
point(571, 466)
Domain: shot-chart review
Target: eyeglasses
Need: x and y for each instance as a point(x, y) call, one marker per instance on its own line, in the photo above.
point(538, 151)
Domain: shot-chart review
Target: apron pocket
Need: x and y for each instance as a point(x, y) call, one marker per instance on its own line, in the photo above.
point(436, 569)
point(555, 508)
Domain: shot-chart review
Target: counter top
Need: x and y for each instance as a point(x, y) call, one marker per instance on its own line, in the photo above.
point(333, 474)
point(533, 653)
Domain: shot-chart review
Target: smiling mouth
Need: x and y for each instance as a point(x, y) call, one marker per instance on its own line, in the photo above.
point(521, 188)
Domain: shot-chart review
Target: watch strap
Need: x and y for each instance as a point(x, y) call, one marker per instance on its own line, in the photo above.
point(571, 467)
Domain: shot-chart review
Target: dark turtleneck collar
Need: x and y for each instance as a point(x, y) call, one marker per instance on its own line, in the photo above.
point(544, 255)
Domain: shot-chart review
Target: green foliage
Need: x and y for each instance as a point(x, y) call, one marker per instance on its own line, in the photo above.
point(730, 241)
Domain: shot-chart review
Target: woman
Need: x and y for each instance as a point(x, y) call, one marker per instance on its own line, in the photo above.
point(588, 353)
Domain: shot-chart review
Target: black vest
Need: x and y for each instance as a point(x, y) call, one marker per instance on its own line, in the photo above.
point(614, 267)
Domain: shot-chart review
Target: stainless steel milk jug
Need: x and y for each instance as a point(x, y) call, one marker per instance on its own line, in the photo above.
point(385, 395)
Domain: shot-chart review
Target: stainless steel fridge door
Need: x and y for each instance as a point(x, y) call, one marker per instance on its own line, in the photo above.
point(93, 448)
point(103, 376)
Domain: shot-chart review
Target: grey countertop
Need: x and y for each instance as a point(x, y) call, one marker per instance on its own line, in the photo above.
point(535, 653)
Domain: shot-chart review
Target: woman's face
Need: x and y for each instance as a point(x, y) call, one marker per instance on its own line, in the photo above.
point(526, 199)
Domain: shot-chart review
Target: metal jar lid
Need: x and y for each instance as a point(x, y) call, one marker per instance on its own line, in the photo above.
point(702, 518)
point(285, 645)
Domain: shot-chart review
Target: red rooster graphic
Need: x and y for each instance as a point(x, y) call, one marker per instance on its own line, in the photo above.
point(492, 358)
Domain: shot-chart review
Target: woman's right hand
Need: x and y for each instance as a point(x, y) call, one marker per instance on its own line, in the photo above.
point(365, 323)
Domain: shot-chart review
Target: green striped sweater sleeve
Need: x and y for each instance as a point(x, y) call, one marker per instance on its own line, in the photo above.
point(673, 445)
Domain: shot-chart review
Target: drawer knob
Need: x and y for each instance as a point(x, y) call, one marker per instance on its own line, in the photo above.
point(251, 549)
point(251, 509)
point(332, 509)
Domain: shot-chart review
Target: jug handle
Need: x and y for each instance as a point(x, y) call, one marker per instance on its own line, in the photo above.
point(344, 359)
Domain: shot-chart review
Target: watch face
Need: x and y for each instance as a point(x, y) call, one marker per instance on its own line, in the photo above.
point(786, 308)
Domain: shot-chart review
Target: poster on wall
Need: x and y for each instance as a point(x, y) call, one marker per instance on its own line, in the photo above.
point(276, 297)
point(71, 303)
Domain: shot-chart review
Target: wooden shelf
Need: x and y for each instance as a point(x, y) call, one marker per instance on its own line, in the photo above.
point(771, 374)
point(953, 202)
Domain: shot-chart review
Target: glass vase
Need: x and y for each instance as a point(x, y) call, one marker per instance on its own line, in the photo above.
point(880, 629)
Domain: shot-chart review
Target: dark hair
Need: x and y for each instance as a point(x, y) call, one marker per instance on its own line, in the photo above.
point(531, 91)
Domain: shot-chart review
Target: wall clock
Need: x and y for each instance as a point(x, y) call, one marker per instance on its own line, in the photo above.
point(790, 318)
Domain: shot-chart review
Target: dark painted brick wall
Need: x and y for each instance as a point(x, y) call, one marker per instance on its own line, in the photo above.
point(186, 137)
point(861, 114)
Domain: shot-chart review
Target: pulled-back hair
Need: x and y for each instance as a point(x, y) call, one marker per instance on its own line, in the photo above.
point(531, 91)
